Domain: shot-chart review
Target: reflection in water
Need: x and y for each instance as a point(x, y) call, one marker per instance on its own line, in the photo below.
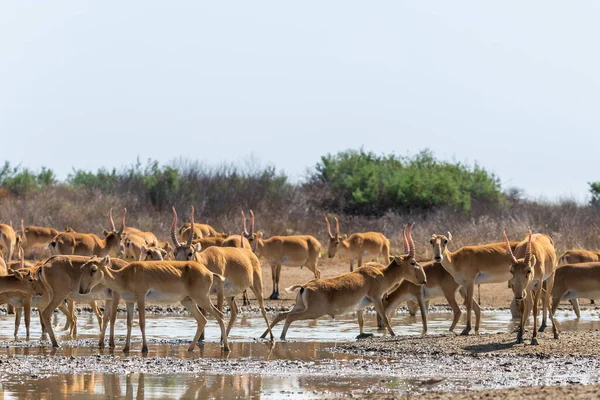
point(144, 386)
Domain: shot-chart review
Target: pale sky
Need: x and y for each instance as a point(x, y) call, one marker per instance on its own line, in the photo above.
point(511, 85)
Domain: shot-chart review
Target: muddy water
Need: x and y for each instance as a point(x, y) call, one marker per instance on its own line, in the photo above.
point(304, 367)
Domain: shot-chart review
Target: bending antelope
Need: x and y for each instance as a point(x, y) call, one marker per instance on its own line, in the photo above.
point(439, 283)
point(572, 281)
point(87, 244)
point(298, 250)
point(358, 245)
point(353, 291)
point(471, 265)
point(535, 265)
point(239, 266)
point(187, 282)
point(36, 236)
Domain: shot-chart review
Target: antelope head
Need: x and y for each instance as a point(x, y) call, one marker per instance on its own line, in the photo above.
point(334, 240)
point(521, 269)
point(92, 273)
point(411, 269)
point(440, 245)
point(153, 253)
point(113, 233)
point(186, 250)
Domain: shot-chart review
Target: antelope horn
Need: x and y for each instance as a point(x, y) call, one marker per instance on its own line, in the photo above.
point(328, 227)
point(337, 226)
point(173, 229)
point(244, 224)
point(405, 240)
point(22, 229)
point(21, 257)
point(509, 252)
point(411, 242)
point(528, 251)
point(251, 223)
point(123, 221)
point(110, 220)
point(191, 237)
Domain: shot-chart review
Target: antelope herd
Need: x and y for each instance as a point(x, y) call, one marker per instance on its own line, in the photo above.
point(135, 266)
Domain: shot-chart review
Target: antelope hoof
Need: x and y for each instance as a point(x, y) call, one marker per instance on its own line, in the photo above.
point(126, 349)
point(226, 349)
point(542, 328)
point(111, 345)
point(556, 335)
point(144, 349)
point(101, 345)
point(274, 296)
point(465, 331)
point(364, 336)
point(534, 341)
point(191, 348)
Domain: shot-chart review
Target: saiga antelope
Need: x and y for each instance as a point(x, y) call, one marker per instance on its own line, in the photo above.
point(572, 281)
point(535, 265)
point(8, 241)
point(297, 250)
point(87, 244)
point(353, 291)
point(471, 265)
point(239, 266)
point(60, 276)
point(188, 282)
point(577, 256)
point(358, 245)
point(36, 236)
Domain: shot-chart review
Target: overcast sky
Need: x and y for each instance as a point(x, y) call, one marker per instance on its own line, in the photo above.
point(511, 85)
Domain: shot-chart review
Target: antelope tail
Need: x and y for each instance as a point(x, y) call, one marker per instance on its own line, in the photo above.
point(292, 288)
point(218, 277)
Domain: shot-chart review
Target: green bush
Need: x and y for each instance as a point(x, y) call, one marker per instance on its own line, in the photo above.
point(363, 183)
point(20, 181)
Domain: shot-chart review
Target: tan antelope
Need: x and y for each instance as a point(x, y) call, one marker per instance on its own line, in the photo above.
point(21, 284)
point(534, 266)
point(187, 282)
point(8, 241)
point(572, 281)
point(471, 265)
point(369, 245)
point(439, 284)
point(298, 250)
point(87, 244)
point(60, 276)
point(353, 291)
point(200, 231)
point(577, 256)
point(239, 266)
point(36, 236)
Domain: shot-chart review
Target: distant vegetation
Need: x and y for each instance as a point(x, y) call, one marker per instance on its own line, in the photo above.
point(366, 191)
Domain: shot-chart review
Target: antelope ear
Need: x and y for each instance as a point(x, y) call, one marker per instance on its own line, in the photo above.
point(105, 261)
point(392, 258)
point(143, 249)
point(105, 232)
point(449, 236)
point(20, 275)
point(344, 237)
point(532, 260)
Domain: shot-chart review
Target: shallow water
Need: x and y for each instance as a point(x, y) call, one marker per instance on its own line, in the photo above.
point(302, 367)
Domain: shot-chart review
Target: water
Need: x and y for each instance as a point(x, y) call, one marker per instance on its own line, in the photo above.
point(253, 368)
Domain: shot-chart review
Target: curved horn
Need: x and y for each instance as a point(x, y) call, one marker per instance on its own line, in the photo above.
point(411, 242)
point(123, 221)
point(405, 240)
point(509, 252)
point(22, 229)
point(110, 221)
point(191, 236)
point(251, 223)
point(337, 226)
point(244, 224)
point(328, 227)
point(174, 229)
point(528, 251)
point(21, 257)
